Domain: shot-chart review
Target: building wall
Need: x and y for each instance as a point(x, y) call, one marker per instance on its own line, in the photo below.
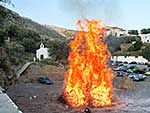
point(129, 59)
point(42, 52)
point(117, 32)
point(145, 38)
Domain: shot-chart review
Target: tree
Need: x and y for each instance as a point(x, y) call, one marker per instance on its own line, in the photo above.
point(146, 51)
point(7, 2)
point(14, 48)
point(2, 37)
point(136, 46)
point(7, 75)
point(133, 32)
point(137, 38)
point(145, 31)
point(59, 50)
point(30, 40)
point(13, 31)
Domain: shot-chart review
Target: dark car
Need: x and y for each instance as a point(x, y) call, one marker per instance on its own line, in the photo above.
point(119, 73)
point(137, 77)
point(45, 80)
point(139, 71)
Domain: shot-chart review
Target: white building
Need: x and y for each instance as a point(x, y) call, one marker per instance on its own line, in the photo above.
point(129, 59)
point(117, 32)
point(42, 53)
point(145, 38)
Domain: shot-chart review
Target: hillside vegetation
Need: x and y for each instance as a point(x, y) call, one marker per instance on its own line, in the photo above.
point(20, 37)
point(8, 17)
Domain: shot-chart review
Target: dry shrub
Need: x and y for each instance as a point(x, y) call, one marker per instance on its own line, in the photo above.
point(125, 83)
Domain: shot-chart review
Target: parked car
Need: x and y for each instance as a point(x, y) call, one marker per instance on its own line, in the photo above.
point(120, 68)
point(147, 73)
point(139, 71)
point(45, 80)
point(119, 73)
point(131, 69)
point(121, 64)
point(137, 77)
point(133, 63)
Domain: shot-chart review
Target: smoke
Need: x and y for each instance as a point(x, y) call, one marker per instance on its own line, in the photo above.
point(105, 10)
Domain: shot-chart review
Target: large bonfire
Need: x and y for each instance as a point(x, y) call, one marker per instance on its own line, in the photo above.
point(88, 80)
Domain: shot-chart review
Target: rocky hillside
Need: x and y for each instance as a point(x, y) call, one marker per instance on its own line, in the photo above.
point(8, 17)
point(63, 31)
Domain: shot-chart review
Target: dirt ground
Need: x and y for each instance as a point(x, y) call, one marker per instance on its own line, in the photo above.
point(33, 97)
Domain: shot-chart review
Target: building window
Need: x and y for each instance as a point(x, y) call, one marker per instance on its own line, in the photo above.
point(147, 40)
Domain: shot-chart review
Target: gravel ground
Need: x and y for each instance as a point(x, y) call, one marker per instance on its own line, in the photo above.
point(33, 97)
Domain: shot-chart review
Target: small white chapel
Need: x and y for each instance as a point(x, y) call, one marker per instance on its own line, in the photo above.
point(42, 53)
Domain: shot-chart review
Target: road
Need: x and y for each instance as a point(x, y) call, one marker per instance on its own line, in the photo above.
point(33, 97)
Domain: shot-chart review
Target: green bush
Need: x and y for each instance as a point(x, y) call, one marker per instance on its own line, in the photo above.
point(145, 31)
point(136, 46)
point(30, 40)
point(2, 37)
point(58, 49)
point(7, 75)
point(125, 53)
point(133, 32)
point(15, 48)
point(2, 77)
point(121, 53)
point(146, 51)
point(12, 31)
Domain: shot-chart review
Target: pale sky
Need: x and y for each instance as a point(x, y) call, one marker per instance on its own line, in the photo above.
point(128, 14)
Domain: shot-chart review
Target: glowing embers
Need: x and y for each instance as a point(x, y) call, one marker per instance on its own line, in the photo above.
point(88, 80)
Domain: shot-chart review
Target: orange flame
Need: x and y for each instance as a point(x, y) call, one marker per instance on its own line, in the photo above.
point(88, 81)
